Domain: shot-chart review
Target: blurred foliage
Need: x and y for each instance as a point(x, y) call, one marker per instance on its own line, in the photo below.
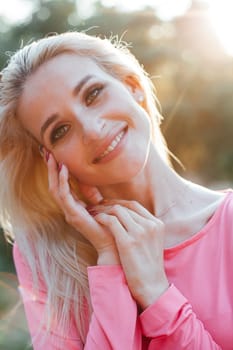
point(194, 83)
point(13, 327)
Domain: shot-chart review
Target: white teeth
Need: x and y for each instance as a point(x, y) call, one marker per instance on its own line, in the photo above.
point(113, 144)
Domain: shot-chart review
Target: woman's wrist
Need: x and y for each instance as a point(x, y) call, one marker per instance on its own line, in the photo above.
point(108, 257)
point(150, 295)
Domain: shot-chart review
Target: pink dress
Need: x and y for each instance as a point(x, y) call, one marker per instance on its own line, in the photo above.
point(196, 312)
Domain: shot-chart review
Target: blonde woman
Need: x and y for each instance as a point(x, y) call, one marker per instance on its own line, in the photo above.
point(113, 249)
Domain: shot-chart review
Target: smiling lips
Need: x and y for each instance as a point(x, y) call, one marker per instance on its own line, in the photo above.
point(111, 147)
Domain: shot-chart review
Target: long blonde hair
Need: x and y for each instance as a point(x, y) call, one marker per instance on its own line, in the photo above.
point(27, 212)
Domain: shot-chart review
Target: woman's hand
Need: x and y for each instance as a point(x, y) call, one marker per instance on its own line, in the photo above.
point(139, 238)
point(76, 213)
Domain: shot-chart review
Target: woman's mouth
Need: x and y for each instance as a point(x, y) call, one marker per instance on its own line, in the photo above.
point(111, 148)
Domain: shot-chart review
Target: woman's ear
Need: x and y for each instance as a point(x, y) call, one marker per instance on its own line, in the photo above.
point(135, 88)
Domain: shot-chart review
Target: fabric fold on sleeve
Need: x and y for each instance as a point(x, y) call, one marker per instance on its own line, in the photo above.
point(171, 324)
point(114, 322)
point(114, 308)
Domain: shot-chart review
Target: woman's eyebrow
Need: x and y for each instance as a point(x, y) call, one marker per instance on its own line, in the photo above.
point(75, 92)
point(46, 124)
point(79, 86)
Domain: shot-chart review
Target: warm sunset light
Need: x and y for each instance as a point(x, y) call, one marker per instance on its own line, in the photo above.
point(220, 12)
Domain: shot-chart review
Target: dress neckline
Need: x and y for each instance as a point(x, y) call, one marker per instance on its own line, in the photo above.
point(205, 228)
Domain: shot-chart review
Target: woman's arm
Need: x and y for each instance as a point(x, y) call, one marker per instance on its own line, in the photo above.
point(171, 324)
point(167, 318)
point(114, 323)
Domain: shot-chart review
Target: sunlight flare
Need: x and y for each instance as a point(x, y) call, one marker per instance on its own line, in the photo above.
point(165, 9)
point(220, 12)
point(15, 10)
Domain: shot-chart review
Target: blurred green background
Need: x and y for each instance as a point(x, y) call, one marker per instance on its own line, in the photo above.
point(187, 48)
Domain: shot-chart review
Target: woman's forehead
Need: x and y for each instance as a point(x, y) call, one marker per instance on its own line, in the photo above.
point(69, 64)
point(64, 70)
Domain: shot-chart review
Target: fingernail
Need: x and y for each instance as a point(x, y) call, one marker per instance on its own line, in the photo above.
point(47, 155)
point(93, 212)
point(60, 167)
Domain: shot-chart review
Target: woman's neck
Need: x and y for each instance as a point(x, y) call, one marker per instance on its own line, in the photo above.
point(183, 206)
point(157, 187)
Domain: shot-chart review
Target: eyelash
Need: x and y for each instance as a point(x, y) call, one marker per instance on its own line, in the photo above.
point(92, 94)
point(63, 128)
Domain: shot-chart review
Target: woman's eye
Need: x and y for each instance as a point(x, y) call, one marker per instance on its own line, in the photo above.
point(58, 133)
point(92, 94)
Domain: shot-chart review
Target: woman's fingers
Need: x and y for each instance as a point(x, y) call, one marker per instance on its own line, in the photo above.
point(140, 248)
point(77, 215)
point(132, 205)
point(74, 211)
point(68, 202)
point(133, 224)
point(76, 198)
point(131, 221)
point(52, 175)
point(60, 189)
point(91, 193)
point(115, 226)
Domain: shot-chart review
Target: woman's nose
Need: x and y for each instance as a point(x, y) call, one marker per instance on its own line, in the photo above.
point(92, 128)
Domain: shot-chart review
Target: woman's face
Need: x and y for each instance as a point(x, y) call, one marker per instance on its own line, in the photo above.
point(89, 121)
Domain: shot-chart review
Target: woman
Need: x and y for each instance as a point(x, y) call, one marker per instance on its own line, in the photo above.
point(113, 249)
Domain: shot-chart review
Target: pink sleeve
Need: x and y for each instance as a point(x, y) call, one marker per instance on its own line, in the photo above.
point(171, 324)
point(114, 323)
